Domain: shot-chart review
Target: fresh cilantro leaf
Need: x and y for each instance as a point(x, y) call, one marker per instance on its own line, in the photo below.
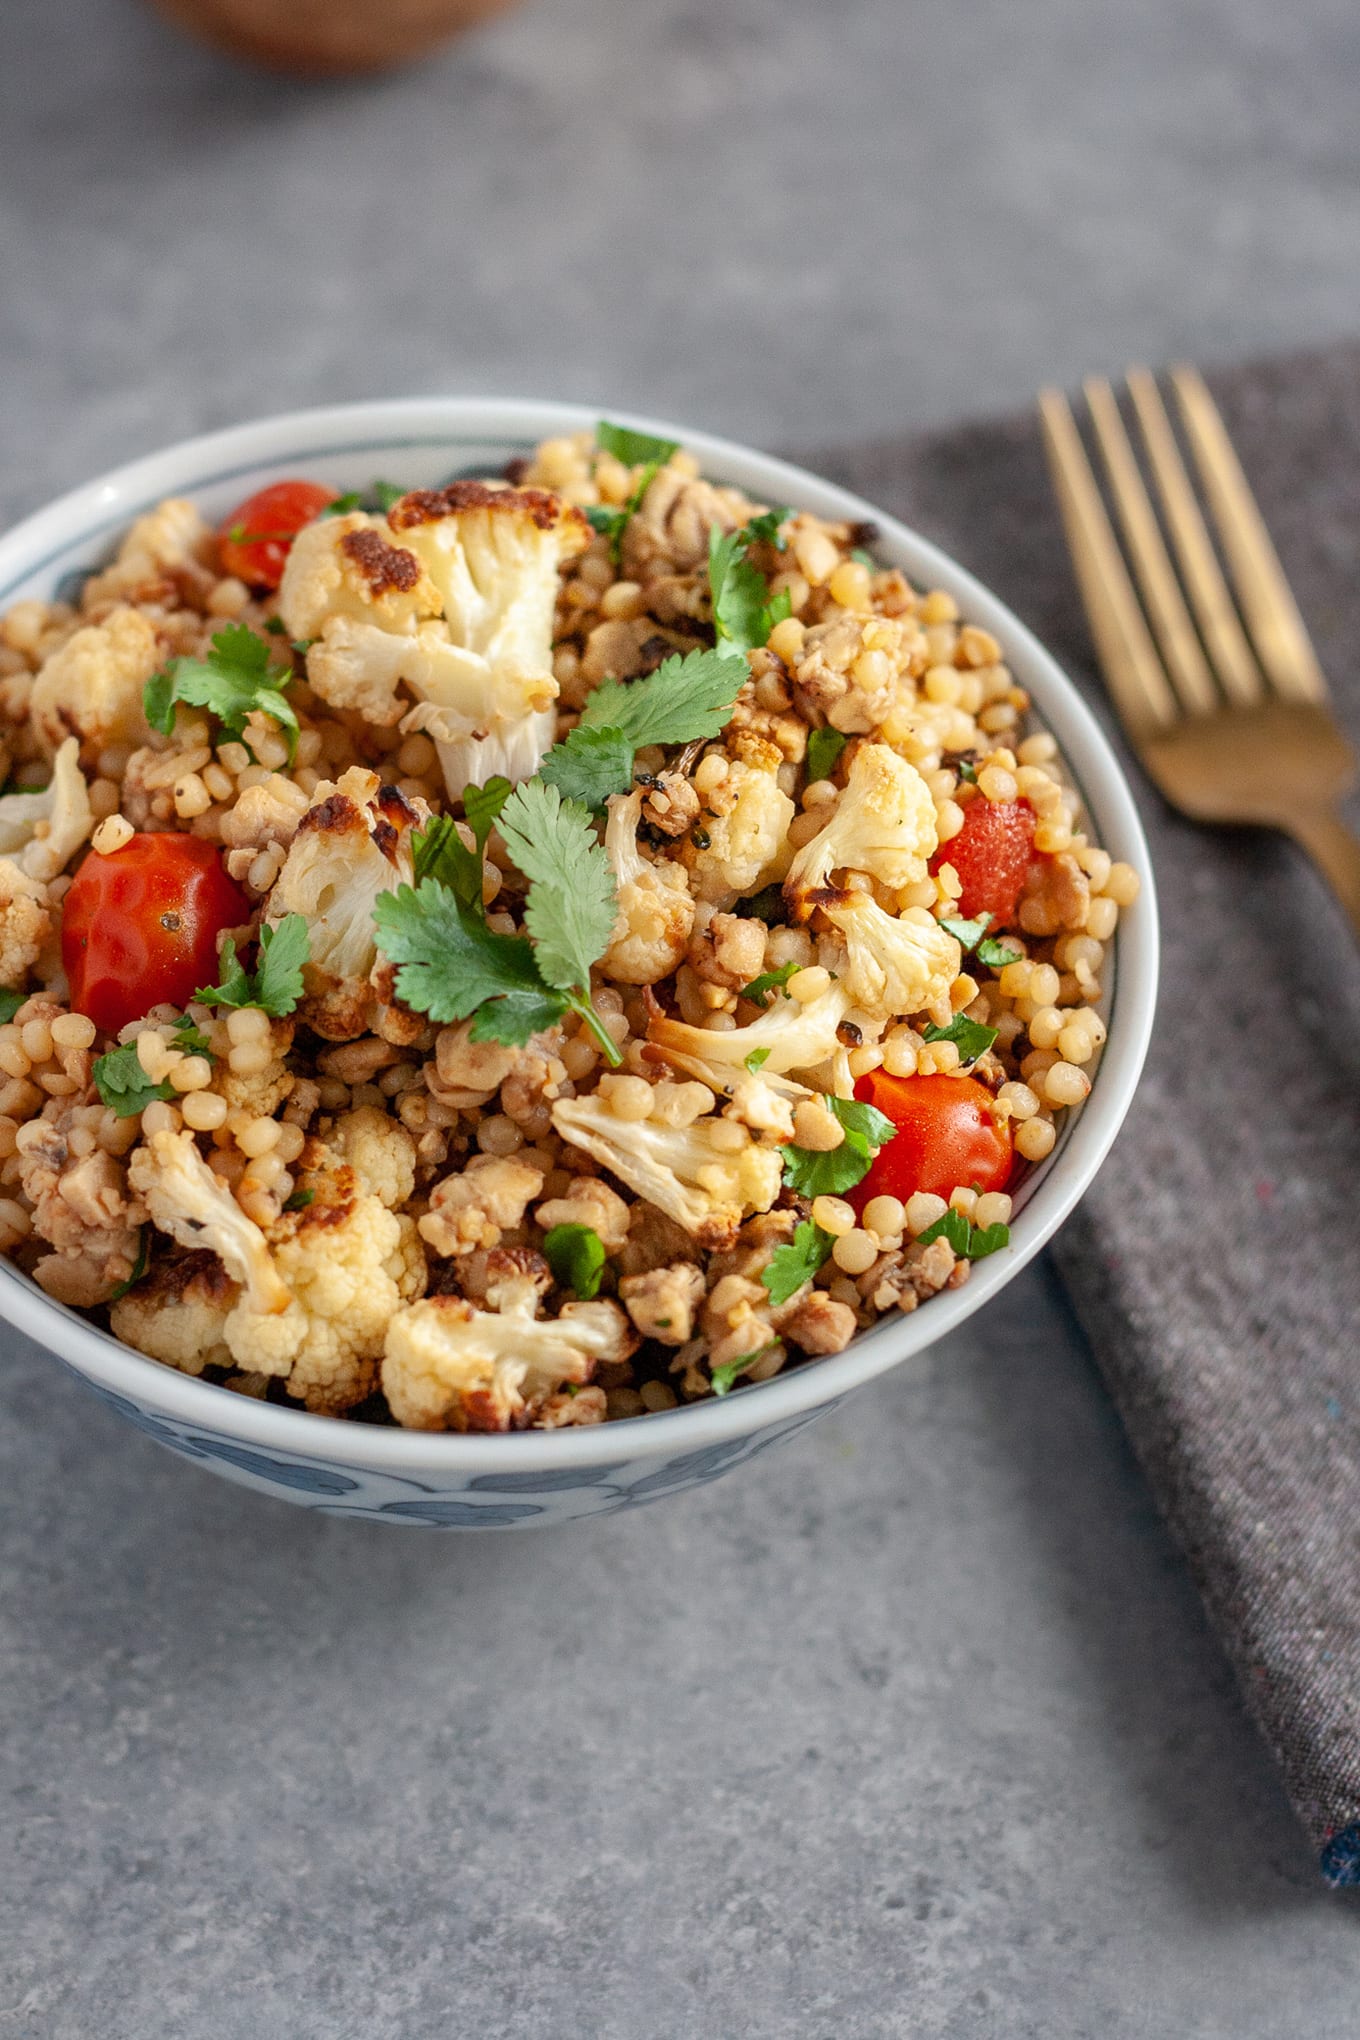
point(276, 985)
point(342, 505)
point(996, 955)
point(970, 1037)
point(572, 904)
point(453, 966)
point(299, 1200)
point(724, 1378)
point(792, 1265)
point(831, 1172)
point(123, 1084)
point(864, 559)
point(608, 518)
point(970, 1242)
point(276, 626)
point(575, 1253)
point(589, 765)
point(439, 852)
point(139, 1269)
point(769, 981)
point(739, 591)
point(764, 529)
point(684, 699)
point(190, 1039)
point(766, 905)
point(10, 1002)
point(234, 681)
point(632, 447)
point(482, 806)
point(757, 1059)
point(824, 748)
point(385, 494)
point(967, 771)
point(973, 935)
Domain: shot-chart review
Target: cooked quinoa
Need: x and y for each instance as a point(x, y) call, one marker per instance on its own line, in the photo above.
point(340, 1198)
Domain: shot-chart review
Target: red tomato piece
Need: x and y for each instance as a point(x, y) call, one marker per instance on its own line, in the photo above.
point(992, 854)
point(946, 1138)
point(253, 542)
point(141, 927)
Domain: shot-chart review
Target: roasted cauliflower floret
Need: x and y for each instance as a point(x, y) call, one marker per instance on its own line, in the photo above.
point(346, 1262)
point(588, 1201)
point(353, 843)
point(707, 1176)
point(82, 1206)
point(473, 1208)
point(448, 1366)
point(855, 670)
point(185, 1199)
point(380, 1151)
point(493, 554)
point(895, 964)
point(25, 922)
point(656, 912)
point(787, 1036)
point(43, 831)
point(662, 1302)
point(91, 687)
point(884, 825)
point(669, 533)
point(178, 1313)
point(746, 821)
point(264, 815)
point(172, 543)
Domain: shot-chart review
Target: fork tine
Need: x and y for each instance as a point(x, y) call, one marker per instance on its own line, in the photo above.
point(1224, 637)
point(1281, 636)
point(1133, 672)
point(1176, 633)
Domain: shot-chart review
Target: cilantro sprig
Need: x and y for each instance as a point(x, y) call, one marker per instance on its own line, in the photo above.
point(684, 700)
point(972, 935)
point(124, 1086)
point(792, 1265)
point(744, 613)
point(576, 1255)
point(234, 681)
point(830, 1172)
point(10, 1002)
point(440, 852)
point(970, 1242)
point(761, 988)
point(724, 1377)
point(824, 748)
point(276, 984)
point(453, 967)
point(970, 1037)
point(378, 496)
point(139, 1267)
point(633, 448)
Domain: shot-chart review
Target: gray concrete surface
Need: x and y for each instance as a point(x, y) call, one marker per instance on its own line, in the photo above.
point(914, 1727)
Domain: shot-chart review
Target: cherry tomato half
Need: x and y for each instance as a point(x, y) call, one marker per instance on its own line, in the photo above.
point(253, 542)
point(992, 854)
point(141, 926)
point(946, 1138)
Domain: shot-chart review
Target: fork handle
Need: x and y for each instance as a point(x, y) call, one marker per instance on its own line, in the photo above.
point(1336, 853)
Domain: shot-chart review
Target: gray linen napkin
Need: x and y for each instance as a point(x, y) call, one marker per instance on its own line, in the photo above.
point(1215, 1263)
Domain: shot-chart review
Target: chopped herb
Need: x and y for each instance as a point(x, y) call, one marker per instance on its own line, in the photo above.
point(973, 935)
point(609, 519)
point(757, 1059)
point(123, 1084)
point(724, 1378)
point(385, 494)
point(276, 984)
point(970, 1037)
point(342, 505)
point(769, 981)
point(764, 529)
point(830, 1172)
point(970, 1242)
point(824, 748)
point(10, 1002)
point(792, 1265)
point(743, 613)
point(440, 852)
point(576, 1255)
point(683, 700)
point(967, 771)
point(299, 1200)
point(766, 905)
point(138, 1271)
point(633, 448)
point(275, 625)
point(234, 681)
point(864, 559)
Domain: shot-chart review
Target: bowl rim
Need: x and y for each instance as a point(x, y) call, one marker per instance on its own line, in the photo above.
point(106, 504)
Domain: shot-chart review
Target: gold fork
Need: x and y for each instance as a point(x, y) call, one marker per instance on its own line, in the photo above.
point(1223, 700)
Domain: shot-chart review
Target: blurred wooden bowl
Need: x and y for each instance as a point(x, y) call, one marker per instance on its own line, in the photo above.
point(327, 38)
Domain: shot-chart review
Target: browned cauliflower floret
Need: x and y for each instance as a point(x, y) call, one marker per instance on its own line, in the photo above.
point(82, 1206)
point(746, 826)
point(897, 963)
point(171, 543)
point(571, 1406)
point(816, 1322)
point(25, 923)
point(264, 815)
point(656, 912)
point(352, 844)
point(474, 1208)
point(670, 804)
point(43, 831)
point(178, 1312)
point(662, 1302)
point(707, 1176)
point(789, 1035)
point(470, 1072)
point(588, 1201)
point(91, 687)
point(669, 532)
point(449, 1366)
point(883, 825)
point(380, 1151)
point(727, 950)
point(261, 1091)
point(855, 670)
point(347, 1264)
point(185, 1199)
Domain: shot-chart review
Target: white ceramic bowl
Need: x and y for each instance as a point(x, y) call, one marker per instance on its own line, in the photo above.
point(533, 1478)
